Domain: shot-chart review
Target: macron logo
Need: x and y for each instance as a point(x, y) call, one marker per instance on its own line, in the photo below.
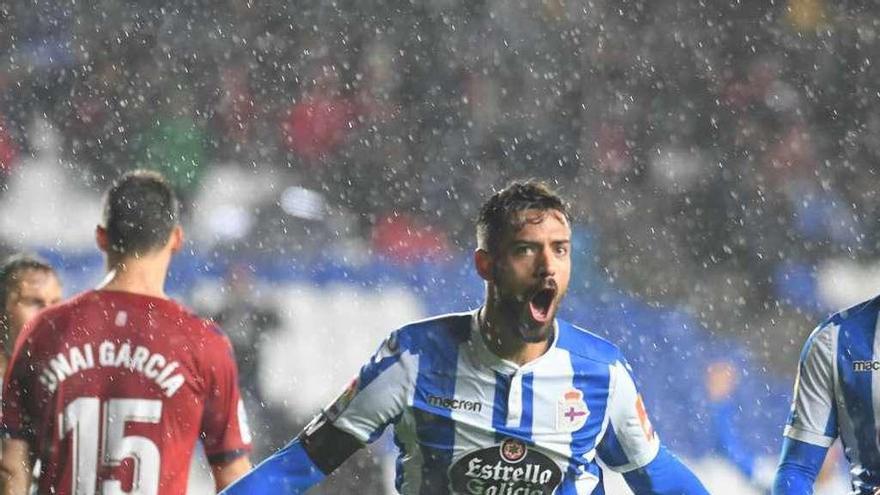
point(455, 404)
point(863, 366)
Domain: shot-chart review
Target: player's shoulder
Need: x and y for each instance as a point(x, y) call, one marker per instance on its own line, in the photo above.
point(585, 344)
point(442, 331)
point(857, 321)
point(859, 318)
point(861, 314)
point(185, 320)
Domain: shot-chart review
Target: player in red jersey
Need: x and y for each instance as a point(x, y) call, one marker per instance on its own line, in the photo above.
point(111, 390)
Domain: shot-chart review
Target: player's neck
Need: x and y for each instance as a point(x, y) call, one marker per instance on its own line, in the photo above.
point(500, 339)
point(145, 276)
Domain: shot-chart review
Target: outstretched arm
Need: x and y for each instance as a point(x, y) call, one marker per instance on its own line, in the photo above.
point(812, 424)
point(631, 446)
point(664, 475)
point(727, 441)
point(798, 467)
point(16, 427)
point(227, 472)
point(303, 463)
point(372, 401)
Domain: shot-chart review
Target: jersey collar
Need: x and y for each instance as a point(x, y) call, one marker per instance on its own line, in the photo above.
point(477, 348)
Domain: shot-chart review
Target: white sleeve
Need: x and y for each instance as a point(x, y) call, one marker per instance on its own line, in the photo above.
point(813, 417)
point(378, 395)
point(630, 441)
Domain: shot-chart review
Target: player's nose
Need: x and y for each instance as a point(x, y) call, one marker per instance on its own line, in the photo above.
point(545, 263)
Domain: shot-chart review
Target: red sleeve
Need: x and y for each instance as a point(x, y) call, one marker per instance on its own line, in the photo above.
point(16, 421)
point(225, 432)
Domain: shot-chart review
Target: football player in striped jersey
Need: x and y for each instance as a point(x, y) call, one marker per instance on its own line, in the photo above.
point(836, 394)
point(506, 399)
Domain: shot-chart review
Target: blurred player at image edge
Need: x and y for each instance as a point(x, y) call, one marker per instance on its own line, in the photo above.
point(836, 394)
point(28, 284)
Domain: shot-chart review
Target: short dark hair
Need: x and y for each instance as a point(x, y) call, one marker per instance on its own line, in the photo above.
point(140, 211)
point(11, 270)
point(500, 210)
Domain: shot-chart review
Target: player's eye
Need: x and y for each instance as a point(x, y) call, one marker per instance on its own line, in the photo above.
point(562, 249)
point(524, 249)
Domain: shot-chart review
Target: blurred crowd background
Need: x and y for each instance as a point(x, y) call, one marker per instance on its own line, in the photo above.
point(721, 159)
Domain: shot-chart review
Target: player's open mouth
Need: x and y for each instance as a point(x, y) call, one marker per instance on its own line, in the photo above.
point(540, 303)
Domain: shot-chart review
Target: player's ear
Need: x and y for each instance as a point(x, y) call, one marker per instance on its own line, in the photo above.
point(483, 263)
point(101, 239)
point(176, 239)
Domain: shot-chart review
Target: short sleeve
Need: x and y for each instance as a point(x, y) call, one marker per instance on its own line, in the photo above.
point(224, 430)
point(630, 441)
point(813, 417)
point(378, 394)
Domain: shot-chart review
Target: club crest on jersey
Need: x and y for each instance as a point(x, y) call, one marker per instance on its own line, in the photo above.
point(571, 411)
point(513, 450)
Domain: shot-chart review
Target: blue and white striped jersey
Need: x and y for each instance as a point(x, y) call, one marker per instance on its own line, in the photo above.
point(837, 391)
point(468, 422)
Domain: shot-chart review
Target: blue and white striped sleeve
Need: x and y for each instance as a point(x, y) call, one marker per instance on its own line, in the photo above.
point(813, 417)
point(630, 441)
point(631, 447)
point(379, 393)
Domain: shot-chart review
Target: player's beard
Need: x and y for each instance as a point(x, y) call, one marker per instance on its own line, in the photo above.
point(516, 315)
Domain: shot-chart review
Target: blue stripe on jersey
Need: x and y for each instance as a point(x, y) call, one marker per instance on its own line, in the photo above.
point(373, 369)
point(600, 488)
point(591, 358)
point(568, 486)
point(499, 407)
point(528, 398)
point(610, 449)
point(856, 343)
point(499, 410)
point(437, 346)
